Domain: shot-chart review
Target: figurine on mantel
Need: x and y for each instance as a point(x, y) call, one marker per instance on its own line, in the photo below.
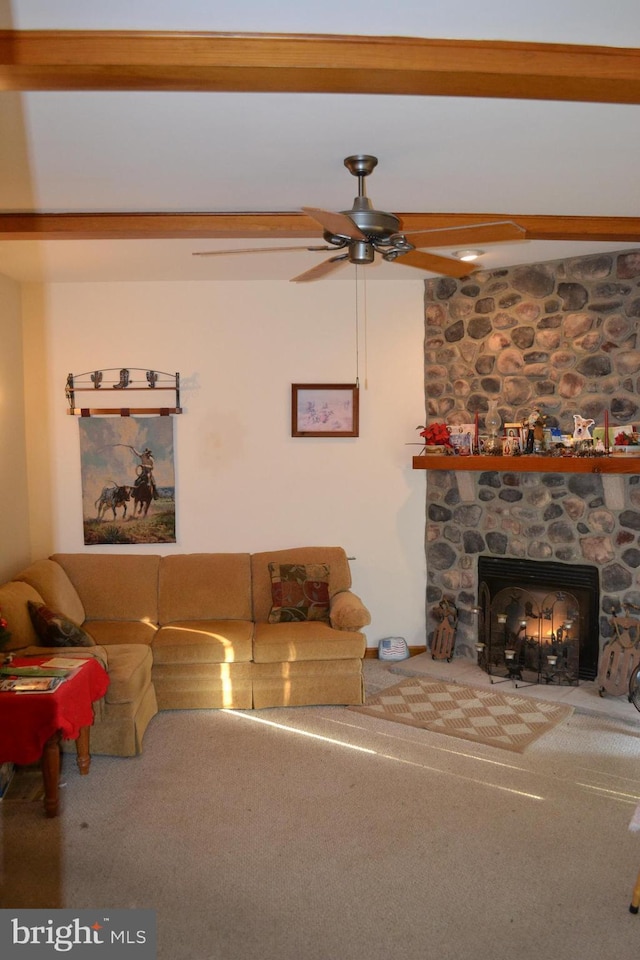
point(535, 430)
point(582, 427)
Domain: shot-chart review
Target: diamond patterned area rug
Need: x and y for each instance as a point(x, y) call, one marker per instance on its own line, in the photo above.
point(483, 716)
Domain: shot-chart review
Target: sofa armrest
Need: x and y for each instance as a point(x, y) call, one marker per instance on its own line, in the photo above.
point(348, 612)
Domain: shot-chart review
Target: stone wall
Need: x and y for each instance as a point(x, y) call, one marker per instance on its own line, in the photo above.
point(563, 336)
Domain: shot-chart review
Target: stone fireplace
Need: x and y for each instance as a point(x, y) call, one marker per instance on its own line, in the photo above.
point(561, 335)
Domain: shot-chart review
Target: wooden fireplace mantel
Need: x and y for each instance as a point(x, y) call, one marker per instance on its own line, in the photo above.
point(530, 463)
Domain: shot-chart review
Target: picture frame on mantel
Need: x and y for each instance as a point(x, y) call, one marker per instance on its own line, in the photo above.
point(325, 410)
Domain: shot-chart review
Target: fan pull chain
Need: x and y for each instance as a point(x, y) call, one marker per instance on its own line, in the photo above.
point(364, 314)
point(357, 330)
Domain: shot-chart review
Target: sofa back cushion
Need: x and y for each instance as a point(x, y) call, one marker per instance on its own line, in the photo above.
point(334, 557)
point(14, 608)
point(114, 586)
point(55, 588)
point(204, 586)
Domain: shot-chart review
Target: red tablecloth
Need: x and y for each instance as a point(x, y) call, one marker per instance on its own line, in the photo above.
point(28, 720)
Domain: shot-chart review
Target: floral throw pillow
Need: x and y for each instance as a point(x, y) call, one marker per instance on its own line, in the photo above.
point(299, 592)
point(56, 630)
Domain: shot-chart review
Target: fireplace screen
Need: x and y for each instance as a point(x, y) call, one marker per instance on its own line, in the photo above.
point(534, 637)
point(537, 621)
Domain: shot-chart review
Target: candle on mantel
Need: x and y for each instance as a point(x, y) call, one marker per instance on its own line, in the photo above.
point(606, 431)
point(476, 434)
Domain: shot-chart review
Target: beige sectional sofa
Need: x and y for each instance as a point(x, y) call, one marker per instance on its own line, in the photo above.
point(189, 631)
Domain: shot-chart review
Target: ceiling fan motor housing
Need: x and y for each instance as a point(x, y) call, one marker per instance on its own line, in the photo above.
point(376, 224)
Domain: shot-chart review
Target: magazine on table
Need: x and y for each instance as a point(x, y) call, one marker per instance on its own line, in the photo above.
point(30, 684)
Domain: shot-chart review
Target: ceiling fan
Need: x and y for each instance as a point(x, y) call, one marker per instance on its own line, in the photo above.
point(364, 231)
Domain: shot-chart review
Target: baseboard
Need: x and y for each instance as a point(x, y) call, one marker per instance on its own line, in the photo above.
point(371, 653)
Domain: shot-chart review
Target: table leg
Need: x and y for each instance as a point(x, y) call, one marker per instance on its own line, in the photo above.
point(83, 757)
point(51, 775)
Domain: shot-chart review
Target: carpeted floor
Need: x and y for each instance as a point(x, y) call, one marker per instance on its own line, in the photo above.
point(482, 716)
point(26, 786)
point(322, 833)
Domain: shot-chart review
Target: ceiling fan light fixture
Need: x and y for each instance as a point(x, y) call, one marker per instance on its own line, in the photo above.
point(361, 251)
point(468, 255)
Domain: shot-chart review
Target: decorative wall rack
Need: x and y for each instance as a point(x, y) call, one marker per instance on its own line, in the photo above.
point(122, 379)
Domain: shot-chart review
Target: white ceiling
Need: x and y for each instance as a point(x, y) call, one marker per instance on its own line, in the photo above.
point(236, 152)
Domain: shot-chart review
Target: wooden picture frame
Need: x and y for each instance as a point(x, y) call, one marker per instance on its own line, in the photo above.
point(324, 410)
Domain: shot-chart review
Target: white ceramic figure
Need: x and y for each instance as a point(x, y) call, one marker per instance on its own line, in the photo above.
point(582, 427)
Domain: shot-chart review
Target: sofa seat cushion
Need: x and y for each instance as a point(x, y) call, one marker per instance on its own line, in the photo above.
point(282, 642)
point(203, 641)
point(129, 667)
point(112, 632)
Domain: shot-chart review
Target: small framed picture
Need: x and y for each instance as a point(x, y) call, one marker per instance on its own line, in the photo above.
point(514, 430)
point(461, 437)
point(514, 439)
point(324, 410)
point(511, 446)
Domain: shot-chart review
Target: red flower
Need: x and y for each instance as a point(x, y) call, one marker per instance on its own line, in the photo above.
point(436, 434)
point(624, 439)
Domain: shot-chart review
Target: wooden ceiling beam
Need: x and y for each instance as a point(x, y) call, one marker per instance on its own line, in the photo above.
point(278, 226)
point(266, 63)
point(292, 63)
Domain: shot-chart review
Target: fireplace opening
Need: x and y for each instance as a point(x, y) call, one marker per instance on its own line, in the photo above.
point(538, 620)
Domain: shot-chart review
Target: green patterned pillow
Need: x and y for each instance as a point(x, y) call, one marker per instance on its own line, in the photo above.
point(56, 630)
point(299, 592)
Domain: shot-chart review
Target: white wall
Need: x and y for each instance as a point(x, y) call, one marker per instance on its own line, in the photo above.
point(243, 483)
point(14, 515)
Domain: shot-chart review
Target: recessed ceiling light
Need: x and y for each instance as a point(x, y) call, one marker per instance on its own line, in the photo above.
point(468, 254)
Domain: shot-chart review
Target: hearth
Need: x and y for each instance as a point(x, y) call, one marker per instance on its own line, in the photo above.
point(538, 620)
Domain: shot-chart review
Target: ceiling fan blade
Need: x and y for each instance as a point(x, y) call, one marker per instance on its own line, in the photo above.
point(321, 269)
point(227, 253)
point(337, 223)
point(500, 231)
point(435, 264)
